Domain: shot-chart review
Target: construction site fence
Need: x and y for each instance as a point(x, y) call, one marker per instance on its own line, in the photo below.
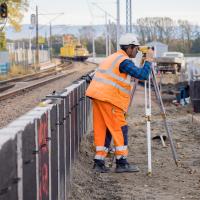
point(24, 58)
point(27, 57)
point(38, 150)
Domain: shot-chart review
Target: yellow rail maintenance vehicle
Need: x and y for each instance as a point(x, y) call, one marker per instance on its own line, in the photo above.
point(72, 49)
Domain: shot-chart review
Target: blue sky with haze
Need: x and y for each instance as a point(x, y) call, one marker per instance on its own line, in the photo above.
point(81, 12)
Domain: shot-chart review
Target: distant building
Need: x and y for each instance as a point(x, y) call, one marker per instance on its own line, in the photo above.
point(160, 48)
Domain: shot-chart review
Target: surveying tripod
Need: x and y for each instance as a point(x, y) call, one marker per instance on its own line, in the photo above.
point(152, 78)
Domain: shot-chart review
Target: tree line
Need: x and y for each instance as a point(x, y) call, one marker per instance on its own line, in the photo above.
point(179, 35)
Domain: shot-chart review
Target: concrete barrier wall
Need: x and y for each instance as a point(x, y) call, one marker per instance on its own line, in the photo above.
point(38, 150)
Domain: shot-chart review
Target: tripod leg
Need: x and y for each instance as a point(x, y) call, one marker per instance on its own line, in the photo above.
point(162, 140)
point(157, 91)
point(161, 105)
point(132, 95)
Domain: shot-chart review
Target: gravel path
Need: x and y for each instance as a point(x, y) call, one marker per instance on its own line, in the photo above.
point(168, 182)
point(12, 108)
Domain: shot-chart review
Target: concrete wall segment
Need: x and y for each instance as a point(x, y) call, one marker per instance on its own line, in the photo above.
point(57, 124)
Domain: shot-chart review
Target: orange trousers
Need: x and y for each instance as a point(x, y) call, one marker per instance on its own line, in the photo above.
point(109, 117)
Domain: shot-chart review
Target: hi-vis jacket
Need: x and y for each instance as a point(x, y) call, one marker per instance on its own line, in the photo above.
point(109, 84)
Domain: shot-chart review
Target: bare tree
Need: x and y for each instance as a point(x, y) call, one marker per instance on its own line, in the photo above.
point(113, 34)
point(165, 29)
point(187, 32)
point(86, 36)
point(86, 33)
point(141, 30)
point(155, 28)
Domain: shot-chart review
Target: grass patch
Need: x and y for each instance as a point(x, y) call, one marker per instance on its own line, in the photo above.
point(3, 77)
point(16, 71)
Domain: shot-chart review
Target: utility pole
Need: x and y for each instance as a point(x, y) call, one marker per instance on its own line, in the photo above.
point(50, 31)
point(30, 45)
point(109, 40)
point(130, 7)
point(93, 46)
point(50, 42)
point(118, 23)
point(106, 16)
point(106, 21)
point(129, 16)
point(37, 36)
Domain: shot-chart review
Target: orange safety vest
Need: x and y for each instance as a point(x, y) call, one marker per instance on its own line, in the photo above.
point(109, 84)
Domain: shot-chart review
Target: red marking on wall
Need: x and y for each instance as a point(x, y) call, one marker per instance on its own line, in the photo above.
point(43, 158)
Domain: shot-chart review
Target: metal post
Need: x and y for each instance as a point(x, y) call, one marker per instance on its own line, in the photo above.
point(130, 12)
point(106, 24)
point(93, 47)
point(30, 44)
point(50, 42)
point(23, 56)
point(109, 39)
point(127, 14)
point(118, 23)
point(37, 45)
point(30, 47)
point(106, 16)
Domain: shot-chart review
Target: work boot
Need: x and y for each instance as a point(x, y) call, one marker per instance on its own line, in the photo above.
point(122, 165)
point(99, 166)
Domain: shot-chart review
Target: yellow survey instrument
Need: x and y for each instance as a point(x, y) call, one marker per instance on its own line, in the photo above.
point(144, 49)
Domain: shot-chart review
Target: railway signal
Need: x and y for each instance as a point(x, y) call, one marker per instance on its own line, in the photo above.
point(3, 10)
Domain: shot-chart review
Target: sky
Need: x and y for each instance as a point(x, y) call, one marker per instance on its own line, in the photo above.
point(86, 12)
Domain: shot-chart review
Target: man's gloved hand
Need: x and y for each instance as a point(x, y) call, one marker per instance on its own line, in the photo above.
point(149, 56)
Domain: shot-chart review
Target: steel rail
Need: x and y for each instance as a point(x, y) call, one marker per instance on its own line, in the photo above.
point(9, 94)
point(32, 75)
point(18, 91)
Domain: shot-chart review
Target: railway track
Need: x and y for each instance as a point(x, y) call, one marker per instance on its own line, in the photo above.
point(36, 75)
point(16, 104)
point(24, 84)
point(7, 88)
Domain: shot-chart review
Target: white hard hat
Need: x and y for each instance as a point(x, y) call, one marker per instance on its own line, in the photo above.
point(127, 39)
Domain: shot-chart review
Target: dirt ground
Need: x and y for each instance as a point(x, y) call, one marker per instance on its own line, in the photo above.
point(168, 182)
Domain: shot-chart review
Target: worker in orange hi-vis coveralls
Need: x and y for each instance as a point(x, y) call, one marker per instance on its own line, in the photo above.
point(110, 91)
